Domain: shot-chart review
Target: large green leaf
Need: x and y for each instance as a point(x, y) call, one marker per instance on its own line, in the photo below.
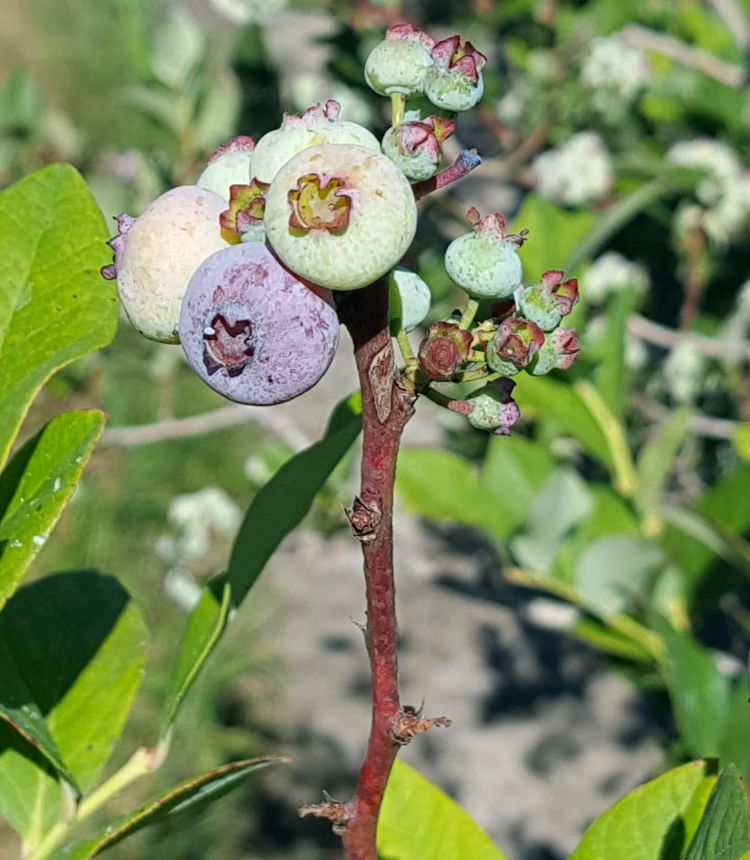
point(554, 233)
point(724, 832)
point(36, 486)
point(611, 373)
point(728, 505)
point(443, 486)
point(190, 795)
point(699, 692)
point(418, 820)
point(554, 401)
point(656, 459)
point(72, 650)
point(285, 500)
point(514, 470)
point(654, 822)
point(54, 306)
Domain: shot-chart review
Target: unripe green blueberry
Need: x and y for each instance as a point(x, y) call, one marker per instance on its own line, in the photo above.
point(444, 350)
point(400, 62)
point(548, 302)
point(493, 408)
point(415, 147)
point(156, 255)
point(559, 351)
point(485, 262)
point(410, 299)
point(454, 81)
point(319, 124)
point(252, 330)
point(514, 345)
point(229, 165)
point(340, 215)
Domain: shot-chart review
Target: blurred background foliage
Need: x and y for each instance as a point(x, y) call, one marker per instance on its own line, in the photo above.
point(615, 132)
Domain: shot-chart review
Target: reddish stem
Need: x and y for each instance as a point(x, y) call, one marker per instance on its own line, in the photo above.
point(468, 160)
point(386, 408)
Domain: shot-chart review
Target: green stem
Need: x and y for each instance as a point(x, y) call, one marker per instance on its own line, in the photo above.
point(142, 762)
point(450, 403)
point(407, 353)
point(398, 108)
point(477, 373)
point(470, 311)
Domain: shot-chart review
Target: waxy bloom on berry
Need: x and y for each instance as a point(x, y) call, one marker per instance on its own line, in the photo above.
point(485, 262)
point(318, 124)
point(340, 215)
point(493, 407)
point(229, 165)
point(415, 146)
point(156, 255)
point(400, 62)
point(454, 81)
point(252, 330)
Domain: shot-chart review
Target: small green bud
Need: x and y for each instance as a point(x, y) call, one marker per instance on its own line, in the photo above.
point(493, 408)
point(559, 351)
point(514, 345)
point(454, 81)
point(400, 62)
point(410, 299)
point(547, 303)
point(485, 262)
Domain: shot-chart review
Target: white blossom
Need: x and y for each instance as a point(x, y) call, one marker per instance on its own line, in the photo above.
point(724, 193)
point(684, 371)
point(575, 172)
point(242, 12)
point(614, 66)
point(194, 519)
point(612, 273)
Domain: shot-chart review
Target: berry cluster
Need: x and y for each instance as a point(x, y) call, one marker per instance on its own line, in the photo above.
point(245, 268)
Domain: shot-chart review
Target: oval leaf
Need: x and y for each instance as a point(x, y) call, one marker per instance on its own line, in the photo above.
point(36, 486)
point(72, 647)
point(419, 820)
point(724, 832)
point(664, 814)
point(190, 795)
point(54, 305)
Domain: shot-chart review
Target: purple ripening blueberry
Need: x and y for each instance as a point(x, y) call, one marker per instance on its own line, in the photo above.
point(252, 330)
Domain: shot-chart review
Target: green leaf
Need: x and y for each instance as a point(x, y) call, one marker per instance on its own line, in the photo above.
point(72, 649)
point(35, 487)
point(654, 822)
point(54, 305)
point(614, 218)
point(727, 505)
point(514, 470)
point(191, 795)
point(741, 441)
point(554, 233)
point(203, 631)
point(419, 821)
point(549, 400)
point(614, 569)
point(612, 372)
point(724, 832)
point(562, 503)
point(285, 500)
point(734, 744)
point(443, 486)
point(698, 690)
point(656, 459)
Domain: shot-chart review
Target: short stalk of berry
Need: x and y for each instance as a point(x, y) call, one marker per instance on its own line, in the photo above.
point(253, 268)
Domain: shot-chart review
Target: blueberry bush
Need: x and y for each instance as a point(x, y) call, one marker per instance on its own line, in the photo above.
point(618, 491)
